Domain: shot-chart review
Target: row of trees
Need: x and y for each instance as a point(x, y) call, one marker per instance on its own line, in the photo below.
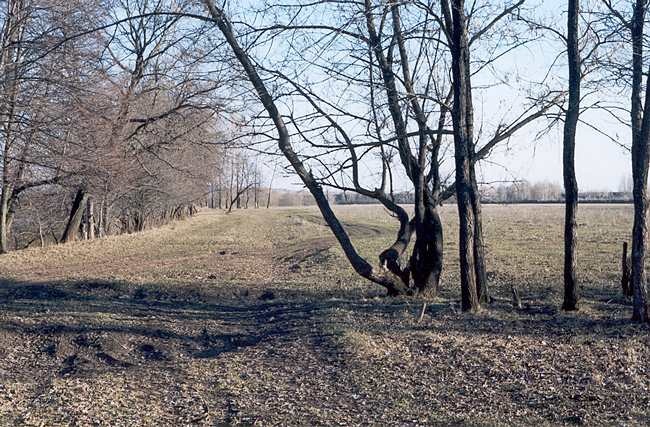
point(105, 125)
point(238, 182)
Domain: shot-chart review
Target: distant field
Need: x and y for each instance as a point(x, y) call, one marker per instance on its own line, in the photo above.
point(254, 317)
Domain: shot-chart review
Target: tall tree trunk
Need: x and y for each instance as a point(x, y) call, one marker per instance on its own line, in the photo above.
point(76, 215)
point(462, 115)
point(426, 258)
point(10, 57)
point(568, 160)
point(640, 138)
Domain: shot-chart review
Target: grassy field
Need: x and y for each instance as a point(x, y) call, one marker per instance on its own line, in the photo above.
point(255, 318)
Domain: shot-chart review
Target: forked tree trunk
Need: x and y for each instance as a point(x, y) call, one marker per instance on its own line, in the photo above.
point(568, 160)
point(427, 256)
point(76, 215)
point(360, 265)
point(391, 258)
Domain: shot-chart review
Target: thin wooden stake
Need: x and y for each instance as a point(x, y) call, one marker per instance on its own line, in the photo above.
point(424, 309)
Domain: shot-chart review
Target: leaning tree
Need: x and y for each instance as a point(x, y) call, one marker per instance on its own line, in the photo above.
point(396, 58)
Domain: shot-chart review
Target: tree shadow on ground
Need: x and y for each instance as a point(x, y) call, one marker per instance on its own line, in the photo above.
point(207, 325)
point(89, 328)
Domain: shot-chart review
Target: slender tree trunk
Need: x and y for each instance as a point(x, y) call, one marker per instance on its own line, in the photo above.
point(4, 217)
point(230, 185)
point(640, 140)
point(211, 195)
point(220, 192)
point(40, 233)
point(76, 215)
point(100, 221)
point(90, 215)
point(568, 160)
point(462, 115)
point(84, 227)
point(482, 288)
point(268, 199)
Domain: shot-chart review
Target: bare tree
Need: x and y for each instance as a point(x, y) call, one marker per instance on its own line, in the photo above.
point(398, 91)
point(568, 158)
point(634, 24)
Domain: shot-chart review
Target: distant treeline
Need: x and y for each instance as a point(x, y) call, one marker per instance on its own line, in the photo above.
point(519, 192)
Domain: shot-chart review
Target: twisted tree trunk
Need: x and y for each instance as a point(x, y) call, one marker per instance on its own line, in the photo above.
point(393, 285)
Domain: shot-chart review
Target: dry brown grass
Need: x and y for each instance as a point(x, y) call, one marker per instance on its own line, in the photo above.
point(177, 326)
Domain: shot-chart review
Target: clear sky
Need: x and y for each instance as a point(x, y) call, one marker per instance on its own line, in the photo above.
point(601, 164)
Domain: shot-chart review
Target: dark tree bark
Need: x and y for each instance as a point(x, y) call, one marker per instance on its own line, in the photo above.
point(425, 265)
point(427, 257)
point(640, 140)
point(568, 160)
point(212, 195)
point(76, 215)
point(478, 245)
point(462, 115)
point(625, 273)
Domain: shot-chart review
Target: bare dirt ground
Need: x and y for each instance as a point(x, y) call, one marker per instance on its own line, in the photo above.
point(254, 318)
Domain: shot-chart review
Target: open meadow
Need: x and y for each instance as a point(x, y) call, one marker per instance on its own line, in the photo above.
point(255, 317)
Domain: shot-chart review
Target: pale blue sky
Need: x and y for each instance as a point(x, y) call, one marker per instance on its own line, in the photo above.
point(600, 163)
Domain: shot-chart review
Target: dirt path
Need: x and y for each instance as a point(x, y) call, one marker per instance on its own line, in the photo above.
point(250, 318)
